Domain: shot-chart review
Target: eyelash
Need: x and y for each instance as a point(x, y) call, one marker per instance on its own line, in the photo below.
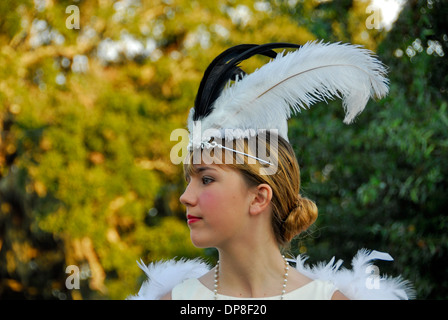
point(204, 179)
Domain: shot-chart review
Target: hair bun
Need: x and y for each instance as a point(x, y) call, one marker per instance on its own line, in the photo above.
point(300, 218)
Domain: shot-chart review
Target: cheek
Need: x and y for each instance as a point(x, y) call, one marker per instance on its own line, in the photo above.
point(209, 200)
point(222, 204)
point(214, 203)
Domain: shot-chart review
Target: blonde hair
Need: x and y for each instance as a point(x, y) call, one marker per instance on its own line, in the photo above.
point(291, 213)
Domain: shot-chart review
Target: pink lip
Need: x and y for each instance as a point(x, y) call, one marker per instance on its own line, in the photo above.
point(192, 219)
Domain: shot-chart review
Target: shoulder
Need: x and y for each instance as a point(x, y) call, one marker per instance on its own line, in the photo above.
point(187, 289)
point(297, 279)
point(167, 296)
point(304, 287)
point(191, 289)
point(337, 295)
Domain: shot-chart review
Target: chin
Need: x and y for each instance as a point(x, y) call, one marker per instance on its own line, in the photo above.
point(201, 241)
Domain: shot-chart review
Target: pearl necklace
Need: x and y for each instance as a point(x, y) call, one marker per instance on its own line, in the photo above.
point(285, 279)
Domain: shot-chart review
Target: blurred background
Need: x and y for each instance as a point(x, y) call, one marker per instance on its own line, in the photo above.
point(90, 92)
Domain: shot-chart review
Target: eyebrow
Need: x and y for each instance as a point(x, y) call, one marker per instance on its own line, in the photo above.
point(202, 169)
point(197, 171)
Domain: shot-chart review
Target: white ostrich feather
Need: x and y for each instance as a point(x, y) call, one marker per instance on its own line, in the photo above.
point(266, 98)
point(363, 281)
point(163, 276)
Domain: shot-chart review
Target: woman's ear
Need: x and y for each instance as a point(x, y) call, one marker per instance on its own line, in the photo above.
point(262, 195)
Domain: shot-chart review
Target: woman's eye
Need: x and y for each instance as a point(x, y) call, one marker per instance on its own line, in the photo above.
point(206, 180)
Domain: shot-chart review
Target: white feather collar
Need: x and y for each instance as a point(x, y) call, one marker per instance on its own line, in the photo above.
point(362, 282)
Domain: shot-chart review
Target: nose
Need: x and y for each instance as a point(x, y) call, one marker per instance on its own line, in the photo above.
point(188, 198)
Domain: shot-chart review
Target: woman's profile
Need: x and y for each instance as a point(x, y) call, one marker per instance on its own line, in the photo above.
point(243, 179)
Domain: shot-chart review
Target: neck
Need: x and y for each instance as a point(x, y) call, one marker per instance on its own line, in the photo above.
point(251, 270)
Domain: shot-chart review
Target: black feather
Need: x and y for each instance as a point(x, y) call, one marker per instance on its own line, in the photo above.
point(210, 88)
point(224, 68)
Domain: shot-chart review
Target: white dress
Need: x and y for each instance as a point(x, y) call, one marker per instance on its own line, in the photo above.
point(193, 289)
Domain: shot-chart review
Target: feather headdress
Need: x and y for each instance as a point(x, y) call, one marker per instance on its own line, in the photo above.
point(266, 98)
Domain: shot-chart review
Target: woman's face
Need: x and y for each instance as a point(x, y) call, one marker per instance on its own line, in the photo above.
point(217, 201)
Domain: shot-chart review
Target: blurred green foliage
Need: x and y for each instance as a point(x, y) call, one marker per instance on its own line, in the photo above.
point(86, 116)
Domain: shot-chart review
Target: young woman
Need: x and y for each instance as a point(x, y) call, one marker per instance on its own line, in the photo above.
point(248, 216)
point(243, 193)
